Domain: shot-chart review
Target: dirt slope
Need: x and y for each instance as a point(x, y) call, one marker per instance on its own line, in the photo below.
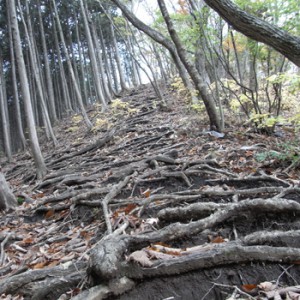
point(150, 205)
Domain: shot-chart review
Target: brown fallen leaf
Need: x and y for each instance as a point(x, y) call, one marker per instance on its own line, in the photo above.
point(249, 287)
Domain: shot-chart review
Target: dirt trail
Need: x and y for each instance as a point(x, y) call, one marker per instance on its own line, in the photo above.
point(150, 205)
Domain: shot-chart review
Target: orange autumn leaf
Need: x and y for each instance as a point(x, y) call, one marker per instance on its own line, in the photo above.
point(39, 265)
point(129, 208)
point(28, 240)
point(49, 214)
point(53, 263)
point(249, 287)
point(147, 193)
point(218, 240)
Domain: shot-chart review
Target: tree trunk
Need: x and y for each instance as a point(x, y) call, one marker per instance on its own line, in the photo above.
point(63, 82)
point(71, 71)
point(208, 100)
point(118, 59)
point(36, 151)
point(49, 82)
point(17, 109)
point(257, 29)
point(7, 199)
point(37, 74)
point(92, 54)
point(4, 115)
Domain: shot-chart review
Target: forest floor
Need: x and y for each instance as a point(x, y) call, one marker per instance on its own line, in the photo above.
point(152, 205)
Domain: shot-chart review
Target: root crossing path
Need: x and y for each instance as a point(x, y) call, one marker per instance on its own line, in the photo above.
point(151, 205)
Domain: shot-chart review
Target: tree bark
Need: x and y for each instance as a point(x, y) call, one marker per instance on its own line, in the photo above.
point(199, 83)
point(92, 54)
point(257, 29)
point(4, 115)
point(70, 68)
point(34, 143)
point(49, 82)
point(17, 109)
point(7, 199)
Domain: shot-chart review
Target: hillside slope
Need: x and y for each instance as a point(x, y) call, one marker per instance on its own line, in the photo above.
point(150, 205)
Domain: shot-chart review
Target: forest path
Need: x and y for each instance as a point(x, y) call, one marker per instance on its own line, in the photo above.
point(150, 205)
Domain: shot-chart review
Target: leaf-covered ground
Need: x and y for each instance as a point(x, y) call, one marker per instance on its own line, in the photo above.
point(152, 205)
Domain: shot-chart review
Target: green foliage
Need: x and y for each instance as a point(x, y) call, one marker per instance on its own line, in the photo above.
point(20, 200)
point(266, 121)
point(287, 154)
point(290, 80)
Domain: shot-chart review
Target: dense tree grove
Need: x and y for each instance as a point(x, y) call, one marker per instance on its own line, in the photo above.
point(59, 57)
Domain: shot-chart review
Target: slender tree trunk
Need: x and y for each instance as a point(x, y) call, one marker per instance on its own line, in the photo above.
point(118, 59)
point(95, 67)
point(63, 82)
point(208, 100)
point(36, 151)
point(100, 60)
point(4, 116)
point(37, 74)
point(15, 88)
point(47, 67)
point(108, 70)
point(71, 71)
point(81, 63)
point(113, 69)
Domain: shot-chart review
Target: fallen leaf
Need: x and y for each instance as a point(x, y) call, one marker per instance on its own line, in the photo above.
point(49, 214)
point(38, 266)
point(218, 240)
point(249, 287)
point(147, 193)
